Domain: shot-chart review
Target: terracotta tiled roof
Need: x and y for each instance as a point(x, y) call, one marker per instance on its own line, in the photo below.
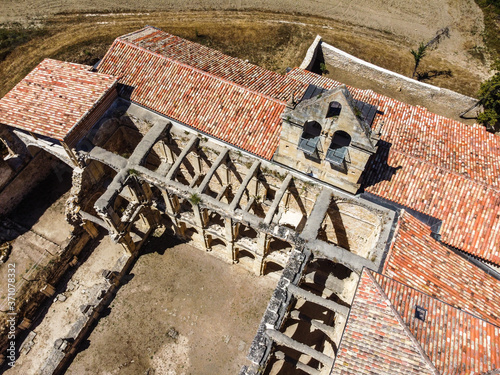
point(418, 260)
point(53, 98)
point(468, 150)
point(434, 165)
point(425, 163)
point(240, 116)
point(469, 210)
point(217, 63)
point(456, 342)
point(375, 339)
point(383, 336)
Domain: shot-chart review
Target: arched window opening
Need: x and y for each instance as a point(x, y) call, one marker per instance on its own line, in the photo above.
point(337, 151)
point(334, 109)
point(310, 137)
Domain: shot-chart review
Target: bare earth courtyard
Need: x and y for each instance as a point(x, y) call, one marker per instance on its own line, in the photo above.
point(247, 187)
point(215, 308)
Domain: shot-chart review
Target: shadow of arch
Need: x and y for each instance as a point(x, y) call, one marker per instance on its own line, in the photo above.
point(217, 242)
point(304, 331)
point(215, 218)
point(338, 225)
point(157, 195)
point(294, 191)
point(152, 161)
point(328, 266)
point(190, 232)
point(231, 167)
point(245, 254)
point(246, 231)
point(275, 244)
point(272, 267)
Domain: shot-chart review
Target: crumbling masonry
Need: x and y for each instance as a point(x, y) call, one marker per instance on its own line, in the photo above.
point(242, 210)
point(293, 217)
point(137, 170)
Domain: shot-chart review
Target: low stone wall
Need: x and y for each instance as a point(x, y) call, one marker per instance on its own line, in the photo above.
point(65, 348)
point(32, 297)
point(311, 54)
point(415, 92)
point(276, 312)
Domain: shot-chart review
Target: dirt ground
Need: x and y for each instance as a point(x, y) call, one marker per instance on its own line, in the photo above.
point(61, 316)
point(380, 32)
point(414, 19)
point(214, 307)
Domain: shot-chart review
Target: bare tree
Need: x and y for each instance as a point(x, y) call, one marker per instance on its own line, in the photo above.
point(421, 51)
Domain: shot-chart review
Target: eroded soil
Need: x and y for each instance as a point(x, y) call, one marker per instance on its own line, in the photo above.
point(182, 312)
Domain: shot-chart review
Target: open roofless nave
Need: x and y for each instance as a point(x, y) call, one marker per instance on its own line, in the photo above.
point(378, 220)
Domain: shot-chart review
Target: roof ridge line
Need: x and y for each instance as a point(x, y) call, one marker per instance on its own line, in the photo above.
point(246, 62)
point(393, 240)
point(442, 241)
point(402, 323)
point(473, 255)
point(406, 206)
point(70, 63)
point(495, 189)
point(136, 31)
point(108, 52)
point(200, 71)
point(380, 96)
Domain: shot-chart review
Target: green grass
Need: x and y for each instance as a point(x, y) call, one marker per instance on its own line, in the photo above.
point(14, 35)
point(491, 11)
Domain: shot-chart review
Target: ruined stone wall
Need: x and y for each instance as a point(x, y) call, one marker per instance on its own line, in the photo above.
point(65, 348)
point(26, 179)
point(223, 200)
point(33, 294)
point(352, 227)
point(6, 173)
point(140, 171)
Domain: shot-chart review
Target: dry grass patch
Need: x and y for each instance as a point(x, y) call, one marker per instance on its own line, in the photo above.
point(274, 41)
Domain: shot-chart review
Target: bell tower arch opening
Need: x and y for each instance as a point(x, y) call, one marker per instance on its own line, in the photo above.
point(338, 151)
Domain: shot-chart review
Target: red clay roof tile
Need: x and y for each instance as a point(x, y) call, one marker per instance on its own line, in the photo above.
point(456, 342)
point(421, 262)
point(382, 328)
point(375, 340)
point(217, 63)
point(223, 109)
point(54, 98)
point(436, 166)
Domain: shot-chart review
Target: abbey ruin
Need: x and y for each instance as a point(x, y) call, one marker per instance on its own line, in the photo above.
point(294, 177)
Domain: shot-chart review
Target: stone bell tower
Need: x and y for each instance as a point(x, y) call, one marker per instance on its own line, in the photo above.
point(327, 135)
